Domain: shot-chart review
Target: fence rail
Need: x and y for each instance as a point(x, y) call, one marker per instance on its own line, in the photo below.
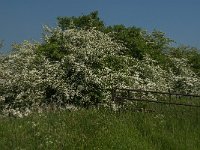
point(169, 98)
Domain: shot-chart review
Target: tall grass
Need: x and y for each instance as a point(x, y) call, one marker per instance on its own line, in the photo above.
point(104, 129)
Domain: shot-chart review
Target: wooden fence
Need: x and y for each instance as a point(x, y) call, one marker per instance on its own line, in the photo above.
point(120, 96)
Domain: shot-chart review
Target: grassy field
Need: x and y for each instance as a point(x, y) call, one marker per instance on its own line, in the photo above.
point(104, 129)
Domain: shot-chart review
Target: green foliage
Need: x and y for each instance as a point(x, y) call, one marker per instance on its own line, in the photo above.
point(191, 54)
point(194, 60)
point(158, 41)
point(131, 37)
point(128, 36)
point(84, 21)
point(51, 50)
point(137, 41)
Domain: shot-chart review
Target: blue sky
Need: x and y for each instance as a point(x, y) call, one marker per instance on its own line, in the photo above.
point(179, 19)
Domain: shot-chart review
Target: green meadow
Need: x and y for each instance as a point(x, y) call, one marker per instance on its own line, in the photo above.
point(172, 128)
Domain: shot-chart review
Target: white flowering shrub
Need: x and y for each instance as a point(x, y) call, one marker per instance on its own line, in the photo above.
point(183, 79)
point(75, 66)
point(27, 79)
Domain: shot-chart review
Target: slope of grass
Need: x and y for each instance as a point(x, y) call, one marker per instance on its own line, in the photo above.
point(101, 129)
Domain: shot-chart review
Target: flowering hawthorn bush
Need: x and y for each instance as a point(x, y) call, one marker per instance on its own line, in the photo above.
point(75, 66)
point(183, 79)
point(27, 79)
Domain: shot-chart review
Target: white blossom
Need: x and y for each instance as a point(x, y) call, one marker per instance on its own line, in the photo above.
point(94, 60)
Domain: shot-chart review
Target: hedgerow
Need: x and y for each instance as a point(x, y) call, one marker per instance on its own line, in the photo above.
point(74, 67)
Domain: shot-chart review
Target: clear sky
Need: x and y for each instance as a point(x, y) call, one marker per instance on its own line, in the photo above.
point(179, 19)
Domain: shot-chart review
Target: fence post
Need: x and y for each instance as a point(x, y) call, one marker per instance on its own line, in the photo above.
point(170, 95)
point(140, 94)
point(113, 93)
point(128, 94)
